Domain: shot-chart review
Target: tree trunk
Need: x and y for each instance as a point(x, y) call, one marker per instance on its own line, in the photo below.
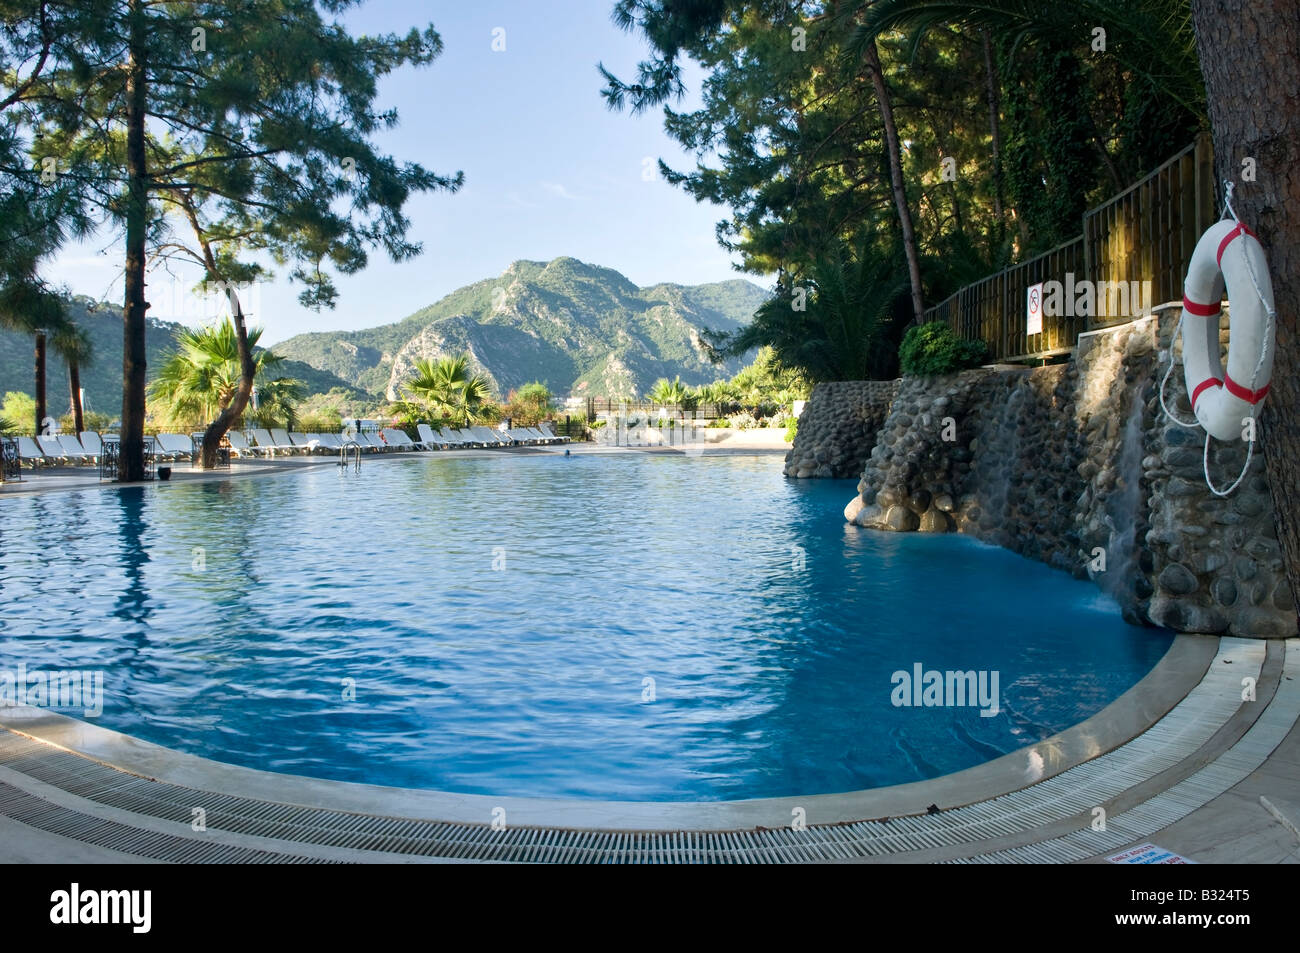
point(896, 175)
point(995, 132)
point(40, 379)
point(130, 466)
point(1250, 58)
point(74, 389)
point(231, 413)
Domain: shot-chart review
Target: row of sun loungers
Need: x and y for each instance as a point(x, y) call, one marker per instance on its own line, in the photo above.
point(70, 449)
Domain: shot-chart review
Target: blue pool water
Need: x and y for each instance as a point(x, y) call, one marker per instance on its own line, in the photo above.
point(633, 627)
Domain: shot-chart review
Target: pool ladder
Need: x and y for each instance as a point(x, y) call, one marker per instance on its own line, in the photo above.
point(343, 455)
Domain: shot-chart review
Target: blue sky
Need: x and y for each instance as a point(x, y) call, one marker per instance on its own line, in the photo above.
point(549, 170)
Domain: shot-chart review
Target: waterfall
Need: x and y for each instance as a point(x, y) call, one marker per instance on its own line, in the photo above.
point(1125, 507)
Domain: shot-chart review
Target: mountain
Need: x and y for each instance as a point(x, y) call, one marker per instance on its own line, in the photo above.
point(101, 378)
point(577, 327)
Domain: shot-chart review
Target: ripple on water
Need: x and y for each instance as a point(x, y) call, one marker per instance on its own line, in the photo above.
point(636, 627)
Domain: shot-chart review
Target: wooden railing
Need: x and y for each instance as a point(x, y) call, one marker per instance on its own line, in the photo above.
point(1143, 237)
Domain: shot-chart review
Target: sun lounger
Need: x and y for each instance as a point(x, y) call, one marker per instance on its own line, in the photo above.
point(305, 442)
point(30, 451)
point(52, 450)
point(451, 437)
point(330, 441)
point(240, 446)
point(73, 448)
point(430, 438)
point(268, 443)
point(173, 446)
point(282, 440)
point(92, 443)
point(555, 438)
point(371, 440)
point(400, 440)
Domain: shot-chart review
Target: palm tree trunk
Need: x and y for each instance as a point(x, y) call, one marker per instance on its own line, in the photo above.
point(40, 379)
point(74, 388)
point(130, 464)
point(234, 410)
point(896, 175)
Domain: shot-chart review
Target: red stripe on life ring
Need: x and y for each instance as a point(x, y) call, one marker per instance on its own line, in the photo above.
point(1200, 310)
point(1241, 229)
point(1244, 393)
point(1208, 382)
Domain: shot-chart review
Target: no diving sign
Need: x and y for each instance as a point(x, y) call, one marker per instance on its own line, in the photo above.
point(1034, 310)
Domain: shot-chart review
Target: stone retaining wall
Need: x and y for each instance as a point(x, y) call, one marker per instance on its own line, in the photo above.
point(1076, 465)
point(838, 427)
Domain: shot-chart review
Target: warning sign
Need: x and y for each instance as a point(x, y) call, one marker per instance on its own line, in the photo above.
point(1034, 310)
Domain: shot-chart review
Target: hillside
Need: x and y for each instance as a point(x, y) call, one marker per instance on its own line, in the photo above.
point(101, 379)
point(577, 327)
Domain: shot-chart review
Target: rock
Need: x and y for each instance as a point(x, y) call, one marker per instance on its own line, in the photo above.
point(1186, 617)
point(1262, 623)
point(1177, 580)
point(935, 521)
point(1224, 591)
point(944, 503)
point(853, 508)
point(901, 519)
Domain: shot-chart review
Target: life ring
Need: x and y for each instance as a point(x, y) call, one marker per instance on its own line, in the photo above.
point(1222, 401)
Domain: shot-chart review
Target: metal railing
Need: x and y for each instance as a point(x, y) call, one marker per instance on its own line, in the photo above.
point(1141, 239)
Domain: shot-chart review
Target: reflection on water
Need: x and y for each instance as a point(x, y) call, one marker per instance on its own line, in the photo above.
point(499, 619)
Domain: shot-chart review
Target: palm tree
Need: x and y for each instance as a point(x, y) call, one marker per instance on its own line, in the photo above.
point(671, 392)
point(446, 387)
point(73, 345)
point(199, 381)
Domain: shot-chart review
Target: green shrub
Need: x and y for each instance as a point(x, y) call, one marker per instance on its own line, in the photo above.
point(791, 428)
point(934, 348)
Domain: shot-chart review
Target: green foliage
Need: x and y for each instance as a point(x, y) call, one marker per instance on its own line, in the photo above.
point(934, 348)
point(90, 420)
point(324, 421)
point(199, 380)
point(447, 388)
point(791, 428)
point(20, 410)
point(673, 393)
point(527, 406)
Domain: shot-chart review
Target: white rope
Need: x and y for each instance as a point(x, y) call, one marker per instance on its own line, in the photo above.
point(1254, 377)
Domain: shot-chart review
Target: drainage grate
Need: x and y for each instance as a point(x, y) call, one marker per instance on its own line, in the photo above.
point(343, 835)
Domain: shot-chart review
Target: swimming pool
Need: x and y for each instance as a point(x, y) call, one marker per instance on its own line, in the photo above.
point(631, 627)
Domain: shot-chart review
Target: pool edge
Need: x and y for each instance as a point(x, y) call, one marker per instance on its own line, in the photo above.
point(1144, 704)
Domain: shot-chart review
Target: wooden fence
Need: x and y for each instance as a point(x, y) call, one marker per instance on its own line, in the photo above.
point(1134, 250)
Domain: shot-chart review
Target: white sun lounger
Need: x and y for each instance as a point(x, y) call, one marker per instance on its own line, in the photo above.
point(266, 442)
point(73, 448)
point(173, 446)
point(372, 440)
point(91, 442)
point(29, 450)
point(305, 442)
point(557, 438)
point(240, 446)
point(281, 438)
point(451, 437)
point(51, 448)
point(429, 438)
point(330, 441)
